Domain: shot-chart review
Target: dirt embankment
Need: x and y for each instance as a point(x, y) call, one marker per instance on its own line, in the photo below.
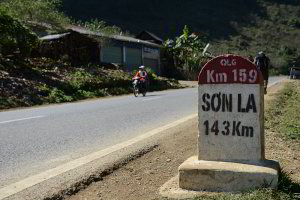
point(142, 178)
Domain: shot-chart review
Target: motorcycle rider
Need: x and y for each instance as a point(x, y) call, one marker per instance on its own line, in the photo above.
point(262, 63)
point(143, 75)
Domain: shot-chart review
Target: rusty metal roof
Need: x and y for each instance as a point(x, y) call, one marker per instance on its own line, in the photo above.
point(92, 33)
point(55, 36)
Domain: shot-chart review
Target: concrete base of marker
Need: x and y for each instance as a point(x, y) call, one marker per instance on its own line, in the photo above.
point(218, 176)
point(171, 190)
point(202, 178)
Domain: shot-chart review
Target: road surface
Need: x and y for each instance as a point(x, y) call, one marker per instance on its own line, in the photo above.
point(36, 139)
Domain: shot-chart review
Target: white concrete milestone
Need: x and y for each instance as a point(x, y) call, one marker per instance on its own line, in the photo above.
point(230, 122)
point(231, 151)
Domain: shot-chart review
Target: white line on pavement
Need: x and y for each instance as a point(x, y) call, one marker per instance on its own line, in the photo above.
point(150, 99)
point(16, 120)
point(272, 84)
point(36, 179)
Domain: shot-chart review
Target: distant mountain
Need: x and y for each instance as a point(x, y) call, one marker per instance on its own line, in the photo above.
point(167, 17)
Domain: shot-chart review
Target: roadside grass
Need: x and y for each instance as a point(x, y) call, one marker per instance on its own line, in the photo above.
point(282, 117)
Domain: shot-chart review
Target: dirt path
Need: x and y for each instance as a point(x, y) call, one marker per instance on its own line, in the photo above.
point(141, 178)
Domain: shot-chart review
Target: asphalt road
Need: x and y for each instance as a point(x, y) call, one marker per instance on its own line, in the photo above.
point(34, 140)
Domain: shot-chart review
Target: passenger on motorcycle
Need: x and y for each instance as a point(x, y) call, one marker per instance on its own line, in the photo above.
point(262, 63)
point(143, 75)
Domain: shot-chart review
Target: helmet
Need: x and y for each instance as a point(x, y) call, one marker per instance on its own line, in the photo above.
point(142, 67)
point(261, 53)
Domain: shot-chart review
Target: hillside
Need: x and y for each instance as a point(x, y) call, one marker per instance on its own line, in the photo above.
point(232, 26)
point(38, 81)
point(166, 18)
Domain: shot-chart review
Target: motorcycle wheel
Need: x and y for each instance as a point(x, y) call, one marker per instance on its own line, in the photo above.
point(144, 93)
point(135, 90)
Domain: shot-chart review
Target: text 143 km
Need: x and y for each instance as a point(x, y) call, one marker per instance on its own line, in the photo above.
point(228, 128)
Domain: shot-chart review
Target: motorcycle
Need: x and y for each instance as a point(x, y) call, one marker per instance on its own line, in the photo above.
point(139, 86)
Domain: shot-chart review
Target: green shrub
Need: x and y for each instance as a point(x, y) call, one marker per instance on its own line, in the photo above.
point(82, 94)
point(119, 90)
point(44, 89)
point(151, 74)
point(58, 96)
point(294, 23)
point(81, 80)
point(101, 92)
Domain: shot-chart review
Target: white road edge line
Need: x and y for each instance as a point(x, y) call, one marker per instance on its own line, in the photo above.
point(275, 83)
point(36, 179)
point(150, 99)
point(16, 120)
point(278, 81)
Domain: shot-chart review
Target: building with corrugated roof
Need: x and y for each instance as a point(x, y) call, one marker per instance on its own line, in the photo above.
point(127, 52)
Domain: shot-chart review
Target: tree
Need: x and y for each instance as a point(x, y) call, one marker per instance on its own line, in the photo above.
point(187, 50)
point(14, 36)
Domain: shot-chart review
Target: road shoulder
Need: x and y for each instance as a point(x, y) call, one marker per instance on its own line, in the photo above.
point(142, 177)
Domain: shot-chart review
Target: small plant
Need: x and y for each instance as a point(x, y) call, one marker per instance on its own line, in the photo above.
point(58, 96)
point(294, 23)
point(81, 79)
point(82, 94)
point(119, 90)
point(101, 92)
point(151, 74)
point(286, 184)
point(44, 89)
